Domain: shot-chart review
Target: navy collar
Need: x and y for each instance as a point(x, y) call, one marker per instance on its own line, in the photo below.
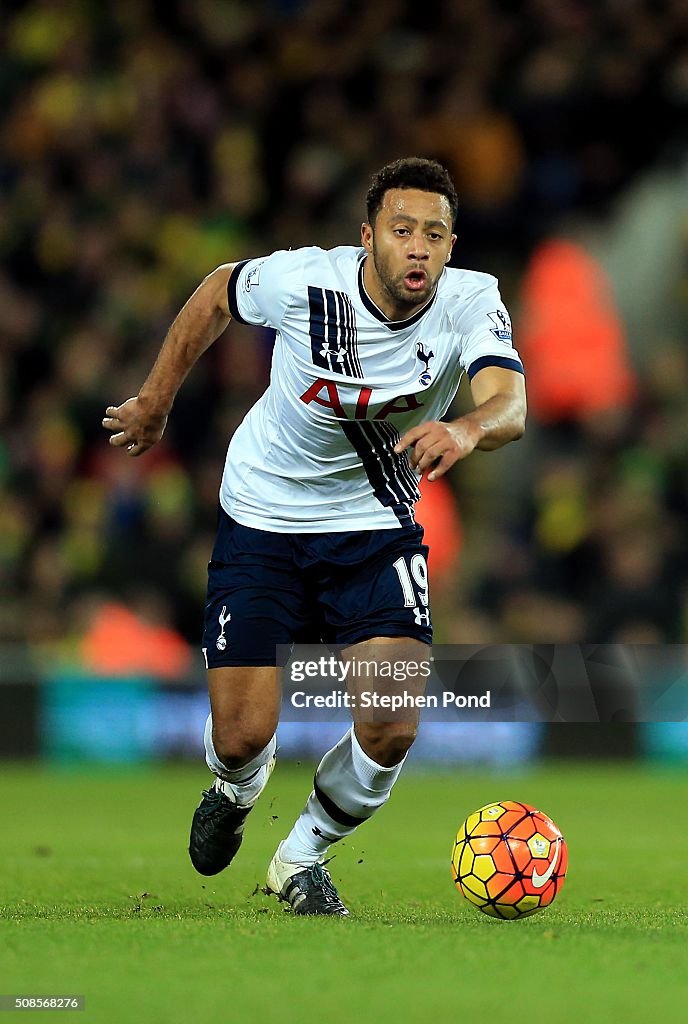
point(394, 325)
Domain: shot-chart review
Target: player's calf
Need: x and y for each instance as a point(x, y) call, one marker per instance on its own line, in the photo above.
point(349, 787)
point(386, 743)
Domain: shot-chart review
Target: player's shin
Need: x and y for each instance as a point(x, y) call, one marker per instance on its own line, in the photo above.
point(348, 788)
point(242, 785)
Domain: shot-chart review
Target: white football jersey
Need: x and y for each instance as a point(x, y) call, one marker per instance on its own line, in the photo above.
point(315, 453)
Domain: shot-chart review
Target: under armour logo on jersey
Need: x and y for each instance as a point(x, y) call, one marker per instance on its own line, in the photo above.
point(502, 325)
point(332, 327)
point(223, 619)
point(422, 617)
point(425, 377)
point(338, 354)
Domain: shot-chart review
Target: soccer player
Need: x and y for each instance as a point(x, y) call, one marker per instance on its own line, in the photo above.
point(317, 538)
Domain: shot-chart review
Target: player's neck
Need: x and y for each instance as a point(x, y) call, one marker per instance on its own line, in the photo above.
point(385, 302)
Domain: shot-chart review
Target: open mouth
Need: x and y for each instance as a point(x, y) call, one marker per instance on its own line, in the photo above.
point(415, 280)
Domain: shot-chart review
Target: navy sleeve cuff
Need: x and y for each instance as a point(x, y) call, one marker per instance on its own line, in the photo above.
point(232, 293)
point(507, 364)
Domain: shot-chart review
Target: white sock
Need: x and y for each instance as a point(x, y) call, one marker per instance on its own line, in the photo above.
point(349, 787)
point(242, 785)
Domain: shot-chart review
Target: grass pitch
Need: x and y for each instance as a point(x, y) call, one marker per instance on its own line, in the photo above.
point(98, 898)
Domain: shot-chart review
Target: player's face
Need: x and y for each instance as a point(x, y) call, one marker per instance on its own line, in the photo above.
point(410, 243)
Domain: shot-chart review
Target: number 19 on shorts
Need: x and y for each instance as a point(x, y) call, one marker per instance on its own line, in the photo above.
point(414, 573)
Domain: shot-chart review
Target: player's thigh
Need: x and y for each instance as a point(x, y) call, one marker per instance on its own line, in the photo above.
point(245, 704)
point(386, 678)
point(255, 602)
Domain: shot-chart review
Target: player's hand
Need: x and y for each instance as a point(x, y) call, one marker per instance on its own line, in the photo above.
point(437, 446)
point(134, 425)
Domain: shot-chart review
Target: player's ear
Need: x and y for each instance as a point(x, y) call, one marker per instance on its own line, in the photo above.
point(367, 236)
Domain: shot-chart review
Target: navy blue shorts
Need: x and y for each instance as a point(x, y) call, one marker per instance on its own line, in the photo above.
point(266, 589)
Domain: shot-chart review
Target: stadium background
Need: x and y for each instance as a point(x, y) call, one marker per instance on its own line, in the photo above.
point(143, 143)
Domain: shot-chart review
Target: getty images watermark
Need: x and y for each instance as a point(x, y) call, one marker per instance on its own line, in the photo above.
point(511, 682)
point(367, 679)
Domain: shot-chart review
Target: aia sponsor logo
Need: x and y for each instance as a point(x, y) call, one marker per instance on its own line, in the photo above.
point(326, 394)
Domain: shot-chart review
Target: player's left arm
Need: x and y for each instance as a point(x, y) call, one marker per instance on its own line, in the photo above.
point(499, 416)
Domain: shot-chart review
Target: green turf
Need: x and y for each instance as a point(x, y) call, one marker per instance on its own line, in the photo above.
point(98, 898)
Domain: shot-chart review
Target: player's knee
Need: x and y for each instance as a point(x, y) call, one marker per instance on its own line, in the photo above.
point(388, 743)
point(397, 743)
point(236, 748)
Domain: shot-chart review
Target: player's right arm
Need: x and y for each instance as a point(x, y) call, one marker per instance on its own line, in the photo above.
point(139, 422)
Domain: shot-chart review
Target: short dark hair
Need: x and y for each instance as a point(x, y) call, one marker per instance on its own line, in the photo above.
point(411, 172)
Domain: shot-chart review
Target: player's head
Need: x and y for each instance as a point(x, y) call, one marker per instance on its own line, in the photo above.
point(411, 207)
point(412, 172)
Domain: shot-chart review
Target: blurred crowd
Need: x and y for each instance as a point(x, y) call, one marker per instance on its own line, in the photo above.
point(143, 143)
